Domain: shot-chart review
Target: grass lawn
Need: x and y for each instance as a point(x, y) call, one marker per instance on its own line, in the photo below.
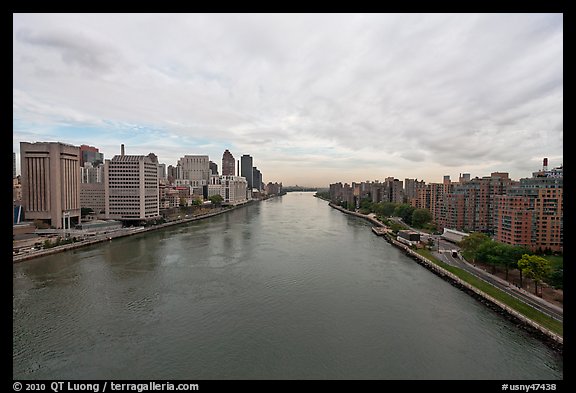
point(521, 307)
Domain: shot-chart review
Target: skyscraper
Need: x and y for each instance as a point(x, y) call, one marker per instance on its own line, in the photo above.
point(213, 168)
point(90, 154)
point(51, 182)
point(195, 168)
point(228, 164)
point(246, 170)
point(131, 187)
point(257, 178)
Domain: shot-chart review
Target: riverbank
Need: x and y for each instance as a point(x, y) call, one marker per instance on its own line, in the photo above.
point(553, 339)
point(120, 233)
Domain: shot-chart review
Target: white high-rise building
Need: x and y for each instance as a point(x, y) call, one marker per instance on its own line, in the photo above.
point(131, 188)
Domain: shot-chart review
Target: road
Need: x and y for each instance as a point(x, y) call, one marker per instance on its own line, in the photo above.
point(442, 250)
point(520, 294)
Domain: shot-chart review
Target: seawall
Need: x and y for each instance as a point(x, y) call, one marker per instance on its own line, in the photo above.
point(552, 339)
point(117, 234)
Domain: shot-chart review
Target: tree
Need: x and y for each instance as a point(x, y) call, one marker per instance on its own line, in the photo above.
point(534, 267)
point(405, 212)
point(366, 204)
point(471, 243)
point(420, 217)
point(512, 255)
point(196, 202)
point(388, 208)
point(488, 252)
point(216, 199)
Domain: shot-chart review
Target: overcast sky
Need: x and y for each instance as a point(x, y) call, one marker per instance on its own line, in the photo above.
point(313, 98)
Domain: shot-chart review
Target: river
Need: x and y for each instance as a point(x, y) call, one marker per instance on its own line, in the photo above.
point(286, 288)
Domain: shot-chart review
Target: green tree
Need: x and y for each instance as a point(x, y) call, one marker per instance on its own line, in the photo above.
point(511, 256)
point(388, 208)
point(556, 278)
point(420, 217)
point(182, 201)
point(534, 267)
point(365, 206)
point(471, 243)
point(196, 202)
point(488, 252)
point(405, 211)
point(216, 199)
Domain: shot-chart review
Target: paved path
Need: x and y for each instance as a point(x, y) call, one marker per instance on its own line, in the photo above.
point(538, 303)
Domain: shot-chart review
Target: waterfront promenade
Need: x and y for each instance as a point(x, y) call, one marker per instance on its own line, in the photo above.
point(556, 339)
point(109, 236)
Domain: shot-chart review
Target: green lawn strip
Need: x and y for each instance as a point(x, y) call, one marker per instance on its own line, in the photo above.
point(521, 307)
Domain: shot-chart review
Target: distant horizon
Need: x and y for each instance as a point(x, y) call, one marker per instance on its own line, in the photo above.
point(314, 98)
point(309, 185)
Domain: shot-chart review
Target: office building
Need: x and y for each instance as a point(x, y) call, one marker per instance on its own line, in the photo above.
point(228, 164)
point(91, 155)
point(195, 168)
point(131, 187)
point(246, 166)
point(50, 176)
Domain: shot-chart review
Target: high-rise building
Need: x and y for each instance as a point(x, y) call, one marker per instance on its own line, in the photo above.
point(50, 174)
point(92, 193)
point(162, 172)
point(92, 174)
point(257, 178)
point(153, 157)
point(172, 172)
point(195, 168)
point(228, 164)
point(213, 168)
point(246, 165)
point(468, 206)
point(131, 188)
point(90, 154)
point(531, 214)
point(274, 188)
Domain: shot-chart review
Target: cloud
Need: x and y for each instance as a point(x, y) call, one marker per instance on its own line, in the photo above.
point(74, 49)
point(391, 93)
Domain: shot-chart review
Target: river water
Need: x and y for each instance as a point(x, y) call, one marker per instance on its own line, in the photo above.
point(287, 288)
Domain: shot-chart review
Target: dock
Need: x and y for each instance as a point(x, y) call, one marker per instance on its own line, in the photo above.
point(380, 231)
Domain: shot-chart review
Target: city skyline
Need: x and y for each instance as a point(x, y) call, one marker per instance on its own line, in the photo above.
point(314, 98)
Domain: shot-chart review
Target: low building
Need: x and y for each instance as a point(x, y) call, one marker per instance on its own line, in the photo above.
point(232, 189)
point(453, 235)
point(408, 237)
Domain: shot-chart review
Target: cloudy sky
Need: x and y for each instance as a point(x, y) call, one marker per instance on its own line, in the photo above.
point(313, 98)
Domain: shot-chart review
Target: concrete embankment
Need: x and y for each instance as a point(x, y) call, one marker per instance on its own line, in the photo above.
point(116, 234)
point(553, 339)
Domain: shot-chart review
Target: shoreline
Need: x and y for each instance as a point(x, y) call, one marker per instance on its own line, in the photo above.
point(553, 340)
point(121, 233)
